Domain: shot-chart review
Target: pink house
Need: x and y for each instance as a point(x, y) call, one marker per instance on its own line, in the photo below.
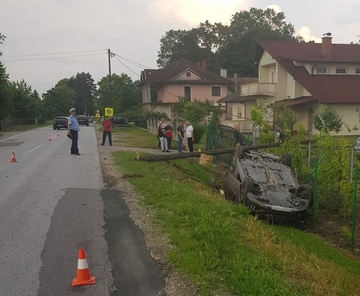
point(162, 87)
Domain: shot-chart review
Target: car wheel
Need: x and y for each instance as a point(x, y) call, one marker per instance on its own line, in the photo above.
point(247, 186)
point(287, 159)
point(305, 192)
point(87, 125)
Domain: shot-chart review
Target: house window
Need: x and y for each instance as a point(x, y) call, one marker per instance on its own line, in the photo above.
point(357, 71)
point(321, 70)
point(239, 112)
point(187, 93)
point(215, 91)
point(188, 74)
point(341, 70)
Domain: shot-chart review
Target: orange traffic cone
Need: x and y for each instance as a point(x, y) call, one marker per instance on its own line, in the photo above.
point(58, 134)
point(13, 159)
point(50, 139)
point(83, 276)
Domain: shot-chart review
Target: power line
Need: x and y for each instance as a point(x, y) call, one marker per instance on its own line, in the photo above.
point(52, 58)
point(55, 53)
point(132, 62)
point(126, 66)
point(149, 82)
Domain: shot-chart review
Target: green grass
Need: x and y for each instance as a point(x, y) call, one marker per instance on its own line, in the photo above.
point(26, 127)
point(222, 248)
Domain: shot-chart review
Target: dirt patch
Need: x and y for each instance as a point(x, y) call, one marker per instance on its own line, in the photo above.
point(335, 229)
point(158, 244)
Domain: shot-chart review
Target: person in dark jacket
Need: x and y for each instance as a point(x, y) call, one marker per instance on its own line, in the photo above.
point(168, 134)
point(160, 128)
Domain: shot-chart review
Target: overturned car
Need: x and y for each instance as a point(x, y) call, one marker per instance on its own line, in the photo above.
point(266, 184)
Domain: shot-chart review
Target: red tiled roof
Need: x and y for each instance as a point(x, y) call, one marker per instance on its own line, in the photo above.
point(327, 89)
point(311, 52)
point(167, 74)
point(298, 101)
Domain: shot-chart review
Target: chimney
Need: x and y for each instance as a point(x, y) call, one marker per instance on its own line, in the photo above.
point(236, 81)
point(326, 47)
point(203, 64)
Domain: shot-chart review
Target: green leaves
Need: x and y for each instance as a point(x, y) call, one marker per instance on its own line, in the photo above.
point(58, 100)
point(328, 120)
point(84, 87)
point(196, 111)
point(233, 47)
point(125, 93)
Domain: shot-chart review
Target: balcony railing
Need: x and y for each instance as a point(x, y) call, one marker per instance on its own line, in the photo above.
point(258, 89)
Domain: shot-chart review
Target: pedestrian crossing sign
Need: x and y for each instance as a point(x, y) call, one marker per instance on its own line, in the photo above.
point(109, 112)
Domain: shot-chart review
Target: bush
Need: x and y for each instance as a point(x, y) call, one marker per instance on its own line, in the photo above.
point(199, 132)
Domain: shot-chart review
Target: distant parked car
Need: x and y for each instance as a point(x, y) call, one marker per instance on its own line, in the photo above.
point(119, 120)
point(82, 119)
point(60, 122)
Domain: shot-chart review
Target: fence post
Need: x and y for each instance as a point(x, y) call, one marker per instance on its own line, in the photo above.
point(354, 209)
point(315, 191)
point(309, 155)
point(352, 164)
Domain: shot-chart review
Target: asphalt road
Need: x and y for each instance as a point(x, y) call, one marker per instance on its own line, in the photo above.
point(51, 204)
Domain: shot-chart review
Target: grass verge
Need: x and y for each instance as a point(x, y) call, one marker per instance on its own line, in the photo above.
point(222, 248)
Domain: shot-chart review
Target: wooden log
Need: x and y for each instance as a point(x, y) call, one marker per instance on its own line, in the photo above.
point(167, 157)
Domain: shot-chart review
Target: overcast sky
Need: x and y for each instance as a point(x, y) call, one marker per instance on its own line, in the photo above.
point(132, 29)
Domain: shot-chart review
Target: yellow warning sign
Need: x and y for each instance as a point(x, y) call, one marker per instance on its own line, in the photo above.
point(109, 112)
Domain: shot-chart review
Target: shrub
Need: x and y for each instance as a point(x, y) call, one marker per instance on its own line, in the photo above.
point(199, 132)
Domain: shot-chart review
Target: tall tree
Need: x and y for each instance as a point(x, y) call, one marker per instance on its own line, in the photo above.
point(195, 45)
point(125, 93)
point(58, 100)
point(232, 47)
point(5, 98)
point(21, 94)
point(84, 87)
point(2, 38)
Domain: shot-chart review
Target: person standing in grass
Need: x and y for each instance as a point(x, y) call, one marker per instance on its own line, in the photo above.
point(190, 136)
point(168, 133)
point(160, 131)
point(107, 125)
point(180, 133)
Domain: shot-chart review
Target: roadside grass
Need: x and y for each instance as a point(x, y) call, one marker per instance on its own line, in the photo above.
point(141, 138)
point(224, 249)
point(26, 127)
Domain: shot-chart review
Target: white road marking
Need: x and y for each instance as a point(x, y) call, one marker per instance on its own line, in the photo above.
point(32, 150)
point(1, 168)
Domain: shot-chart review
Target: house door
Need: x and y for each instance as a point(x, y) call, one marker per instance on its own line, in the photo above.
point(187, 93)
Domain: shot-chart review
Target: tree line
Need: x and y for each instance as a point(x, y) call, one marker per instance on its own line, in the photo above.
point(19, 101)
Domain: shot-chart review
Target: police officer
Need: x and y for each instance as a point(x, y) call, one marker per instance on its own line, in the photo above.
point(73, 129)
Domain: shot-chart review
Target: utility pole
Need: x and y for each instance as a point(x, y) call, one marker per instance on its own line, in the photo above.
point(110, 87)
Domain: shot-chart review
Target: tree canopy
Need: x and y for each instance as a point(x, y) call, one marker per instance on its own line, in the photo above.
point(58, 100)
point(232, 47)
point(125, 93)
point(84, 87)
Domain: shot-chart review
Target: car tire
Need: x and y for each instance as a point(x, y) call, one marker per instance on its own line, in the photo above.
point(287, 159)
point(305, 191)
point(247, 186)
point(87, 125)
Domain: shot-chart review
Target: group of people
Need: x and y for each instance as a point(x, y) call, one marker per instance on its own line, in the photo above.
point(166, 133)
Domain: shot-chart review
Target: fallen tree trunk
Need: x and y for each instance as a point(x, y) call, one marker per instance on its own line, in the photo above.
point(167, 157)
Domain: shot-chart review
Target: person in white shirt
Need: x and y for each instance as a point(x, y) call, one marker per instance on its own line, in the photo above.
point(190, 136)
